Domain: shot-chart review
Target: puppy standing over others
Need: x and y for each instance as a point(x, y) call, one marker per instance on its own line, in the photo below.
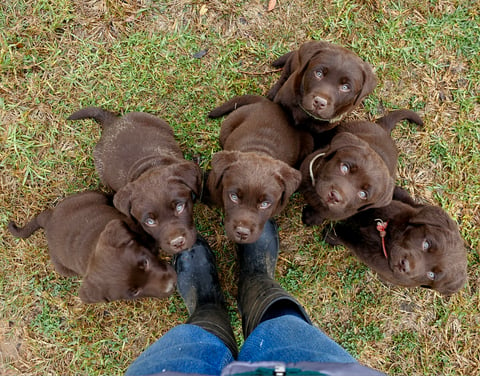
point(320, 83)
point(89, 237)
point(407, 244)
point(355, 171)
point(137, 157)
point(252, 179)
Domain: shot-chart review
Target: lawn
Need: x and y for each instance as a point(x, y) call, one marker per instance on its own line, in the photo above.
point(178, 60)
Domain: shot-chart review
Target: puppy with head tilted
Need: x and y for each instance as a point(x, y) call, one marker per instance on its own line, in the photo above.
point(407, 244)
point(354, 171)
point(90, 238)
point(320, 83)
point(252, 179)
point(137, 157)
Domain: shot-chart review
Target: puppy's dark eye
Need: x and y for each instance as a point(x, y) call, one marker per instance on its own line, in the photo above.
point(319, 73)
point(426, 245)
point(234, 197)
point(264, 205)
point(180, 207)
point(344, 168)
point(363, 195)
point(345, 88)
point(150, 222)
point(431, 276)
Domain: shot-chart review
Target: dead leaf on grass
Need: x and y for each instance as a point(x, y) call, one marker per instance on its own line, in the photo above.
point(271, 5)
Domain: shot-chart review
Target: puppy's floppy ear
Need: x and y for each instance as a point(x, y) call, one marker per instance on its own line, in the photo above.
point(122, 199)
point(117, 233)
point(290, 179)
point(189, 173)
point(369, 82)
point(221, 161)
point(434, 217)
point(306, 52)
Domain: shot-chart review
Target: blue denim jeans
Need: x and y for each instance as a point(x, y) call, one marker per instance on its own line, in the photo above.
point(190, 349)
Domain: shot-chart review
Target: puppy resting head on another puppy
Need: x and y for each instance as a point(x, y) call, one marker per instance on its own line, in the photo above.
point(407, 244)
point(89, 237)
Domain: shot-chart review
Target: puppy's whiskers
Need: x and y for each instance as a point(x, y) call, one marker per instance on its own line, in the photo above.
point(310, 166)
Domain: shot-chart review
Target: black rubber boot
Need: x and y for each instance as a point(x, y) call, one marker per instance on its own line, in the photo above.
point(199, 286)
point(259, 295)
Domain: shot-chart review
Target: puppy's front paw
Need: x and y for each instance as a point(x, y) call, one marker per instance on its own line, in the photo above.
point(311, 217)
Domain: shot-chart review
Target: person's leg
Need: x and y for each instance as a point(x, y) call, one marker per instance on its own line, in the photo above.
point(291, 339)
point(275, 325)
point(206, 343)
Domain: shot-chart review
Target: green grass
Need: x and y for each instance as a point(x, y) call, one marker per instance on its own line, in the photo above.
point(58, 56)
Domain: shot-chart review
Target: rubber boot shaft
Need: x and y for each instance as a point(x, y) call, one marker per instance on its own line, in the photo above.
point(257, 289)
point(199, 286)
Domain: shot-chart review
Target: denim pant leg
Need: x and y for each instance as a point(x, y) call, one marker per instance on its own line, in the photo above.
point(185, 348)
point(290, 339)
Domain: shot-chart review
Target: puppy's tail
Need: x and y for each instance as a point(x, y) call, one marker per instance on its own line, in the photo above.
point(104, 117)
point(389, 121)
point(35, 223)
point(234, 103)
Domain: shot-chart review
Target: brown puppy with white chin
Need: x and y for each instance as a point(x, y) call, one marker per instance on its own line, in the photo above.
point(88, 237)
point(252, 179)
point(407, 244)
point(320, 83)
point(355, 171)
point(137, 157)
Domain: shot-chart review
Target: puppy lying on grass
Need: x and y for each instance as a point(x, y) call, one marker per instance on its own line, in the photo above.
point(354, 171)
point(137, 157)
point(90, 238)
point(320, 83)
point(252, 179)
point(407, 244)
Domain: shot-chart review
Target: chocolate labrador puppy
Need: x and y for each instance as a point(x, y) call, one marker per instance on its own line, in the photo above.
point(320, 83)
point(407, 244)
point(137, 156)
point(88, 237)
point(252, 179)
point(354, 171)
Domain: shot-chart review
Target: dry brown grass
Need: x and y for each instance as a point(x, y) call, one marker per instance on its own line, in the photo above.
point(57, 56)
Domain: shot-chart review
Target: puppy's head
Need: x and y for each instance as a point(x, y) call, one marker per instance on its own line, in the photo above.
point(429, 252)
point(251, 188)
point(329, 80)
point(122, 268)
point(162, 199)
point(346, 177)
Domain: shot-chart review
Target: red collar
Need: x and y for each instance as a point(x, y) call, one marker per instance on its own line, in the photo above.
point(382, 229)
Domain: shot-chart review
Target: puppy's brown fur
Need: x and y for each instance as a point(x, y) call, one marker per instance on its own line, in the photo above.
point(423, 244)
point(253, 178)
point(354, 172)
point(137, 156)
point(89, 237)
point(320, 83)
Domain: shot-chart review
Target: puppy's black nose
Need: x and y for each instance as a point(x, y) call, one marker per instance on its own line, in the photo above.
point(320, 102)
